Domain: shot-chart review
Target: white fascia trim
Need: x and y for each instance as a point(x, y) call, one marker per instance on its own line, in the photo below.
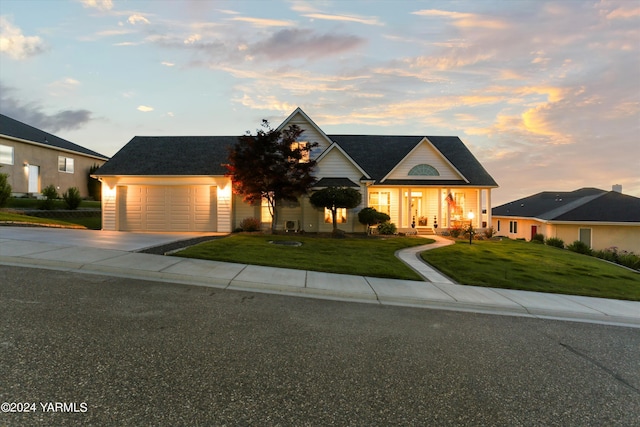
point(52, 147)
point(552, 222)
point(307, 118)
point(425, 139)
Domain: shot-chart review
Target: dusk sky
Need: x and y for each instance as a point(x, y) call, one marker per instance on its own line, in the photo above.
point(545, 94)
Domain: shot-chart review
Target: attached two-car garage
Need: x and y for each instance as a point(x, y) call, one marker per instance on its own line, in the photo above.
point(167, 208)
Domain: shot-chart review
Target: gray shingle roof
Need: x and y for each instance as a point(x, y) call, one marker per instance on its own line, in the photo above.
point(171, 155)
point(16, 129)
point(204, 155)
point(585, 204)
point(379, 154)
point(335, 182)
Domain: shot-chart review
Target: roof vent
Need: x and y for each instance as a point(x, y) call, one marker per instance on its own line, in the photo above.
point(617, 188)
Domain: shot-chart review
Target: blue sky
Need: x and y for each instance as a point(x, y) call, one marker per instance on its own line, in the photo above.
point(545, 94)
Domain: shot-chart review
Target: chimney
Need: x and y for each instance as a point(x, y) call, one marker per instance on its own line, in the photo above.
point(617, 188)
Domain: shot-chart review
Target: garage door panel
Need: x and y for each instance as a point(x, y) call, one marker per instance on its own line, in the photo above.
point(168, 208)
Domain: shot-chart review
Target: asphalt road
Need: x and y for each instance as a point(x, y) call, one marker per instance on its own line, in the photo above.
point(129, 352)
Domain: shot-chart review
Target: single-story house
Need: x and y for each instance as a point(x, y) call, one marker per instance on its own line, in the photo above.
point(599, 218)
point(179, 184)
point(34, 159)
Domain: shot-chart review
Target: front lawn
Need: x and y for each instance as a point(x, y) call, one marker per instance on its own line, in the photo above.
point(6, 216)
point(366, 256)
point(529, 266)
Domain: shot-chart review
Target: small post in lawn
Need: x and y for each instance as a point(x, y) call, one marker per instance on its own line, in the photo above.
point(470, 216)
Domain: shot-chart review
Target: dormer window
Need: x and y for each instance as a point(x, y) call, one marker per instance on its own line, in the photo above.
point(424, 170)
point(302, 145)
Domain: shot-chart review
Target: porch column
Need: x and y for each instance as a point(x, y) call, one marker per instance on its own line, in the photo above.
point(479, 207)
point(400, 209)
point(489, 219)
point(439, 213)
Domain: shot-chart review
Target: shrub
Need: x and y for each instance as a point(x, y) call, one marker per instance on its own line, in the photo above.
point(250, 224)
point(455, 232)
point(628, 259)
point(580, 247)
point(489, 232)
point(538, 238)
point(387, 228)
point(72, 198)
point(5, 189)
point(370, 216)
point(51, 195)
point(555, 242)
point(93, 185)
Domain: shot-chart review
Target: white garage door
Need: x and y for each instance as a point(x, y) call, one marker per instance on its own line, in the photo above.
point(167, 208)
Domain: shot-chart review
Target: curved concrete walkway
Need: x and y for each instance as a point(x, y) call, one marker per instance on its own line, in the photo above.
point(113, 253)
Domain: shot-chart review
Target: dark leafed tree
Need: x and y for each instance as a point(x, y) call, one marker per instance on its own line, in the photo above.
point(334, 198)
point(271, 165)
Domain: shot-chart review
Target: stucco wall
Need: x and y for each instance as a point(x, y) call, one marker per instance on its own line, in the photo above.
point(47, 160)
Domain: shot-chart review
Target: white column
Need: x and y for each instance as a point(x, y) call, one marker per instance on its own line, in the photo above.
point(479, 207)
point(489, 219)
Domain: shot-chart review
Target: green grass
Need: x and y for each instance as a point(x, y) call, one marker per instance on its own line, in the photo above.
point(352, 255)
point(28, 203)
point(5, 216)
point(528, 266)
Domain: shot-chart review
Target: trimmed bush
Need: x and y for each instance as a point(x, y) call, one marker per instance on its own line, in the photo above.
point(5, 189)
point(628, 259)
point(555, 242)
point(489, 232)
point(387, 228)
point(370, 216)
point(455, 232)
point(580, 247)
point(51, 195)
point(72, 198)
point(538, 238)
point(250, 224)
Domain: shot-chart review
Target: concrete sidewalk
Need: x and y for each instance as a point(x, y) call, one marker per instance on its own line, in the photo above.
point(438, 292)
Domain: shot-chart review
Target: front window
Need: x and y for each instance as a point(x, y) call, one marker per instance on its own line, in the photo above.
point(341, 216)
point(6, 154)
point(65, 164)
point(380, 201)
point(513, 227)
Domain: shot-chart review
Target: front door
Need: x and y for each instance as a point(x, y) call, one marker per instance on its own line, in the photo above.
point(416, 210)
point(534, 231)
point(34, 179)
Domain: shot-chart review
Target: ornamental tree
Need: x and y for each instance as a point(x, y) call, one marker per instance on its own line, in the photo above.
point(370, 216)
point(271, 165)
point(334, 198)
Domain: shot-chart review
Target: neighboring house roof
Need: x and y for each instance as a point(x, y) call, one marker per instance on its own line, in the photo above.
point(171, 155)
point(379, 154)
point(13, 128)
point(584, 205)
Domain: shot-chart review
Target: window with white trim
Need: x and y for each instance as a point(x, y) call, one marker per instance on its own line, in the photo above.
point(6, 154)
point(65, 164)
point(380, 201)
point(341, 216)
point(302, 145)
point(424, 169)
point(513, 227)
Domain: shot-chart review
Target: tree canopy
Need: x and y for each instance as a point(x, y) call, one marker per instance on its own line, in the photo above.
point(271, 165)
point(370, 216)
point(334, 198)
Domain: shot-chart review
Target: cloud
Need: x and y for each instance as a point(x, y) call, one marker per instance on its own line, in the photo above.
point(464, 20)
point(98, 4)
point(63, 87)
point(168, 64)
point(134, 19)
point(144, 108)
point(262, 22)
point(297, 43)
point(344, 18)
point(32, 114)
point(15, 44)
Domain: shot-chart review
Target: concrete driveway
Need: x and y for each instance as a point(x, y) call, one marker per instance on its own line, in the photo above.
point(118, 240)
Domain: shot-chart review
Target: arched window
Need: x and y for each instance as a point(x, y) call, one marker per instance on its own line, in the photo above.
point(424, 170)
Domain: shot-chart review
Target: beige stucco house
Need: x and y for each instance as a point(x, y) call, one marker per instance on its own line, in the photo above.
point(599, 218)
point(34, 159)
point(179, 183)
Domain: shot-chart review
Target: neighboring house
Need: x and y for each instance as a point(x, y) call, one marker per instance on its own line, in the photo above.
point(179, 183)
point(34, 159)
point(599, 218)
